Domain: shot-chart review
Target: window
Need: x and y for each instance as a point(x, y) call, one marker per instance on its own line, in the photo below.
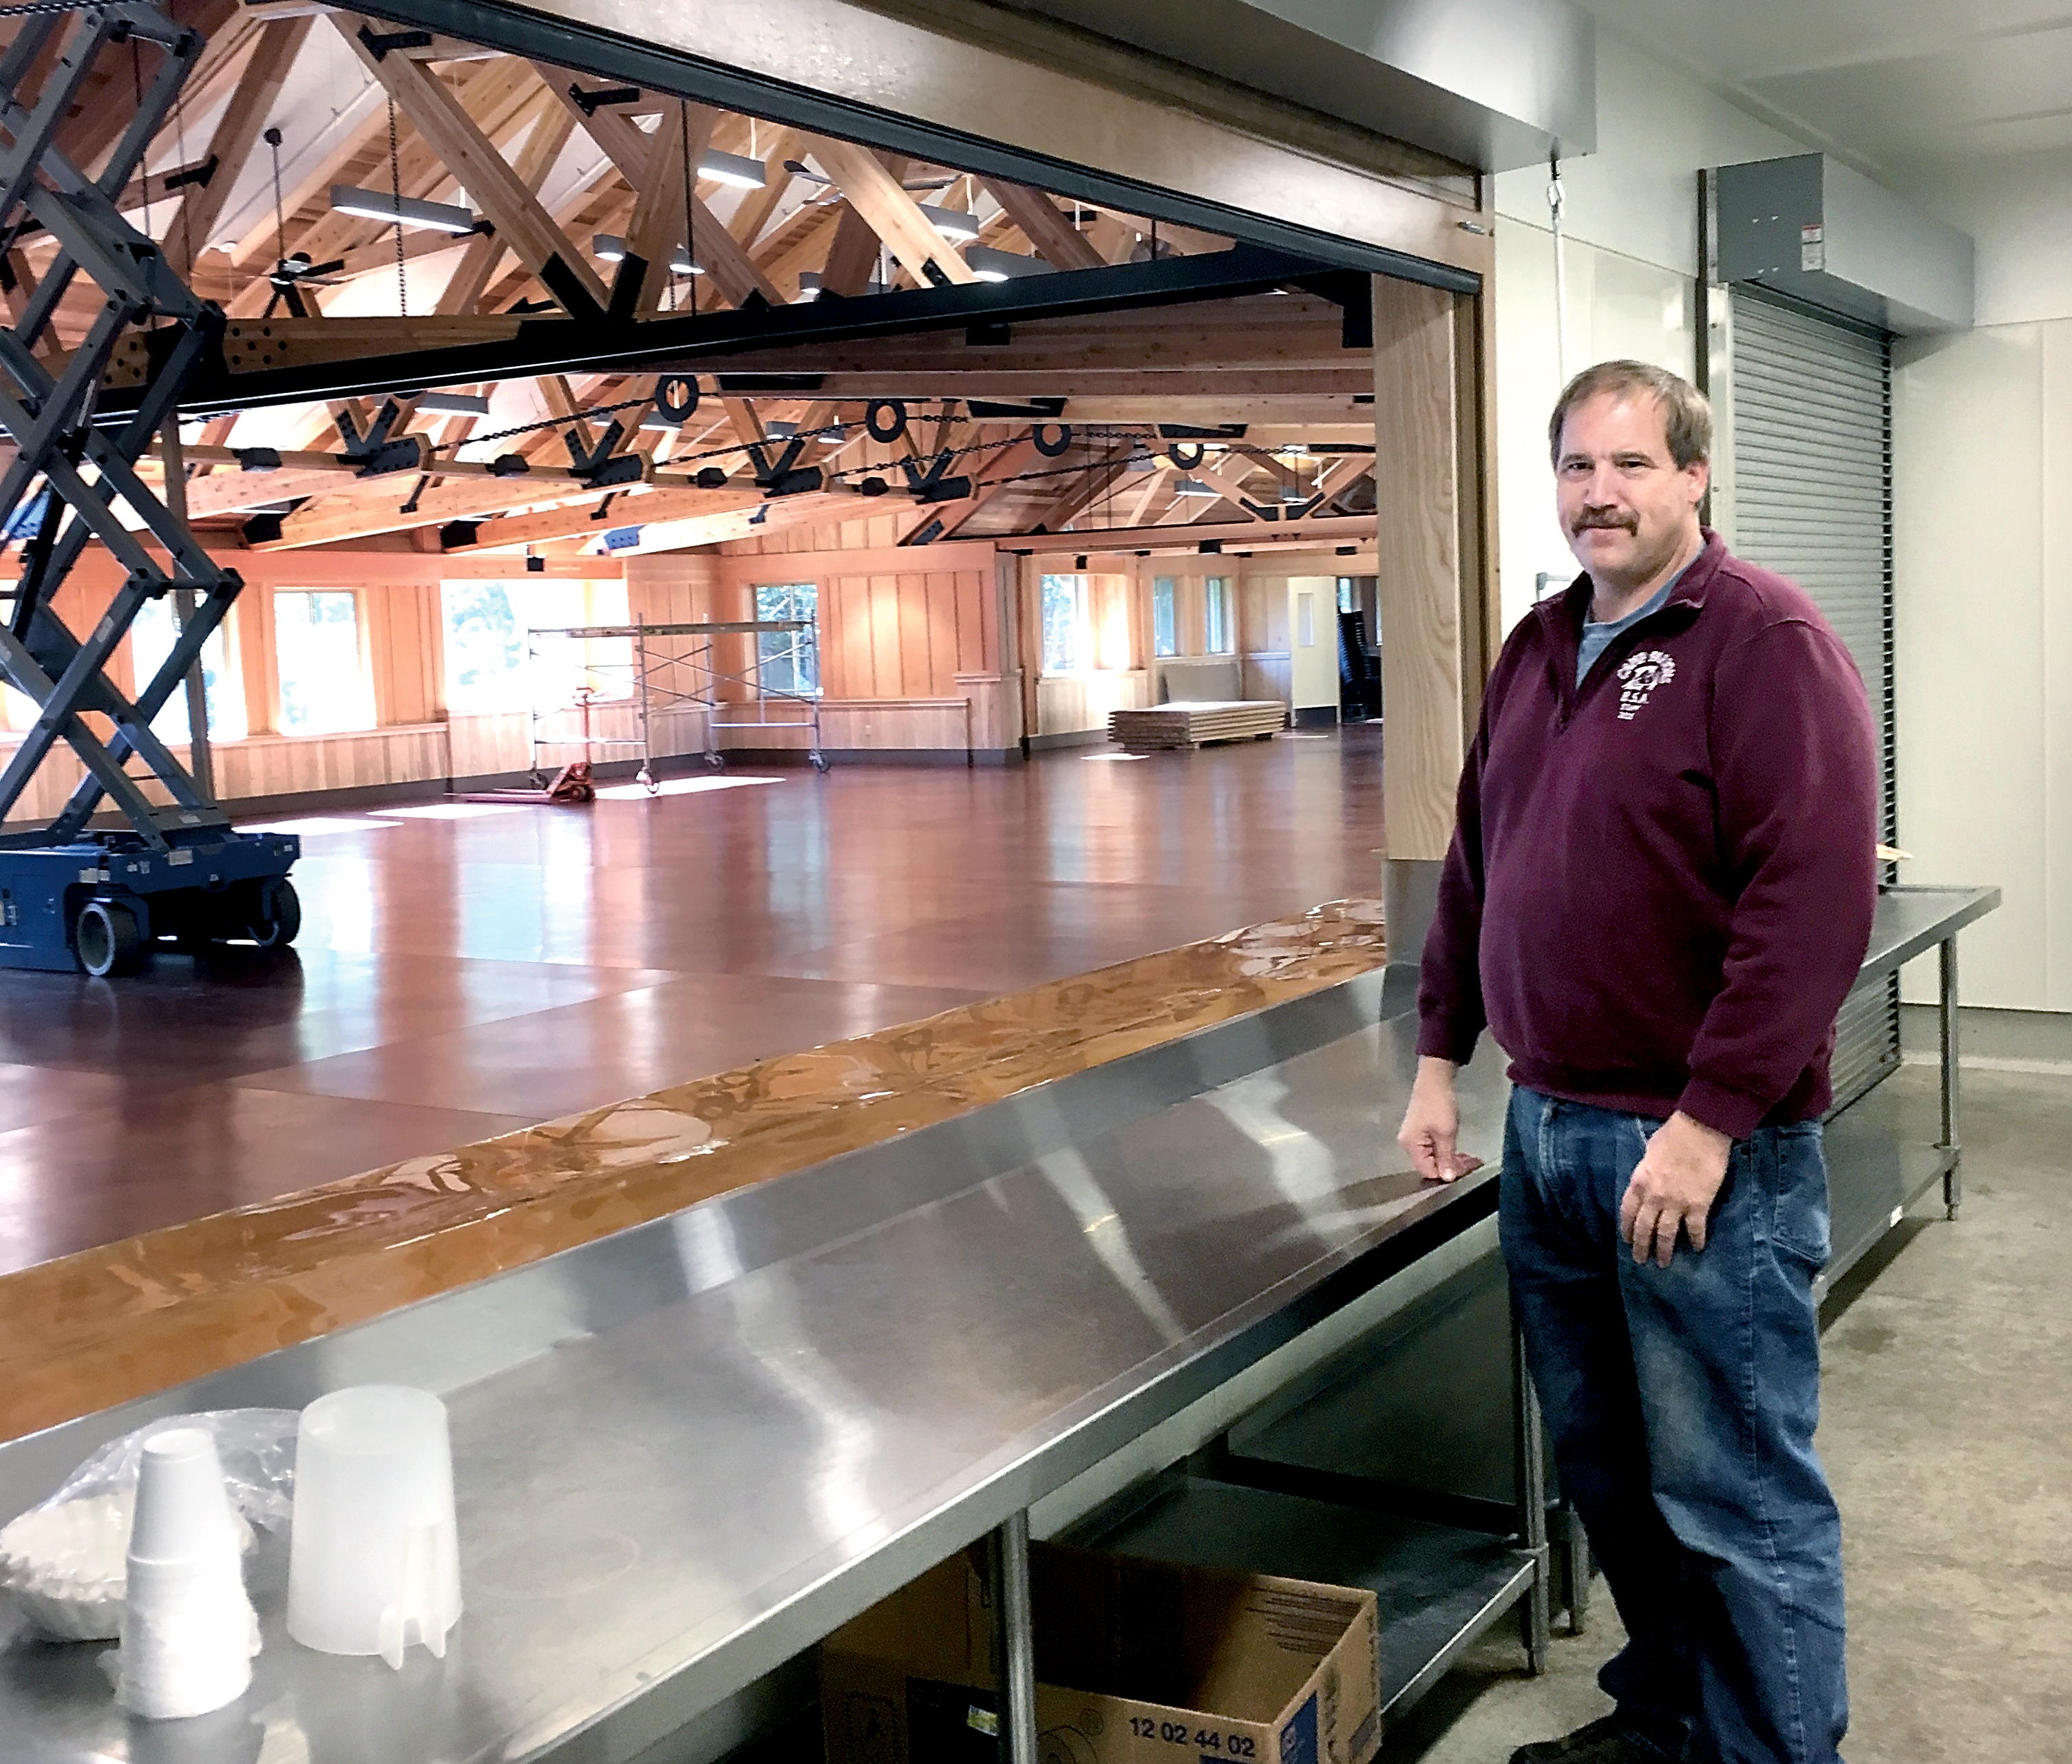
point(788, 661)
point(1221, 638)
point(324, 687)
point(487, 627)
point(151, 635)
point(1066, 649)
point(1164, 622)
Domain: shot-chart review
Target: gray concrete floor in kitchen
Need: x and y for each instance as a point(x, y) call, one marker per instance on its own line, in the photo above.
point(1947, 1429)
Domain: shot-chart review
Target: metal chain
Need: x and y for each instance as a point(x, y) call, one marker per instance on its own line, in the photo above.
point(396, 192)
point(690, 234)
point(272, 139)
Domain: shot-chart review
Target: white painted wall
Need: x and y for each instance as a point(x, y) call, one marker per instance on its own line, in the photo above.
point(1631, 230)
point(1982, 463)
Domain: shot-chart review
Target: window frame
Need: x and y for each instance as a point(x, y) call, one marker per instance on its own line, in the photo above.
point(1218, 621)
point(1082, 624)
point(362, 650)
point(1166, 641)
point(791, 650)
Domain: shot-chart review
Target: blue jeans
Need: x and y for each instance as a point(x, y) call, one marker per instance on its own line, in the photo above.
point(1681, 1403)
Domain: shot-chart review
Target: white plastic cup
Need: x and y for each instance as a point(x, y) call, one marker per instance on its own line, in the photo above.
point(188, 1630)
point(374, 1555)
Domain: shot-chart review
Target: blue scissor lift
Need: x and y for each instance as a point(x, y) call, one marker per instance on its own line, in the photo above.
point(71, 895)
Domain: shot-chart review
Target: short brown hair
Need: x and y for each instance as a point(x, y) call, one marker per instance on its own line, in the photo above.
point(1685, 414)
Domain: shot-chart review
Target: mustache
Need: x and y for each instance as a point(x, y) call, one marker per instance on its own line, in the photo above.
point(1607, 519)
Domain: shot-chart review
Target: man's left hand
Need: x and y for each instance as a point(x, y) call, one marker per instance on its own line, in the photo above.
point(1673, 1188)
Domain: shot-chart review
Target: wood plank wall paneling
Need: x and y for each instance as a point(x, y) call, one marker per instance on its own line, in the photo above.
point(1418, 561)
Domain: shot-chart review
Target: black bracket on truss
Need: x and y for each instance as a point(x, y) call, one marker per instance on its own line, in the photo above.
point(591, 102)
point(378, 43)
point(602, 466)
point(202, 175)
point(784, 476)
point(935, 484)
point(374, 453)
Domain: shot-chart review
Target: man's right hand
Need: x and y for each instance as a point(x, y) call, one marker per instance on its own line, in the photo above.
point(1432, 1125)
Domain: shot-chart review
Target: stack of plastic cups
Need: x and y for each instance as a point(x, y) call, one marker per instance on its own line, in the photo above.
point(188, 1630)
point(374, 1561)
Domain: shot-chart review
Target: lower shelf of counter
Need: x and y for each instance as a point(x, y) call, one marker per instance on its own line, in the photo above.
point(1440, 1587)
point(1874, 1173)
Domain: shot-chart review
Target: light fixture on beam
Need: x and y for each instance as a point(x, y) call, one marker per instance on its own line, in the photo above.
point(609, 248)
point(392, 210)
point(656, 423)
point(1194, 487)
point(809, 284)
point(736, 169)
point(989, 265)
point(948, 222)
point(452, 404)
point(779, 430)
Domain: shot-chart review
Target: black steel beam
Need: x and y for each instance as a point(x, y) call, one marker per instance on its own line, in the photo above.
point(599, 345)
point(570, 43)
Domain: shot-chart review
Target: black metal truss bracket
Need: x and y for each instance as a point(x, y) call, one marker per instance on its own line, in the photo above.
point(935, 484)
point(602, 466)
point(783, 476)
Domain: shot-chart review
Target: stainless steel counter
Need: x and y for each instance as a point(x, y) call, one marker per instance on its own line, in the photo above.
point(686, 1451)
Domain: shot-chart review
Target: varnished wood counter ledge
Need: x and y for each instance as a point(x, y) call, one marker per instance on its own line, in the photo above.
point(107, 1324)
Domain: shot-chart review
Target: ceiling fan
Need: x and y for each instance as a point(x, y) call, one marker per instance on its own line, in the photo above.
point(292, 274)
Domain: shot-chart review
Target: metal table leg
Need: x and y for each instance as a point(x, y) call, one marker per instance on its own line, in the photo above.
point(1533, 1619)
point(1953, 1178)
point(1014, 1641)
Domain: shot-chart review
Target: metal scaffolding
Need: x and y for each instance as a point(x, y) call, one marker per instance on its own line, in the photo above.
point(659, 681)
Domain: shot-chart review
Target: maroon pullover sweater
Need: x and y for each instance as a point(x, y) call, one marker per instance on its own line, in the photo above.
point(1661, 884)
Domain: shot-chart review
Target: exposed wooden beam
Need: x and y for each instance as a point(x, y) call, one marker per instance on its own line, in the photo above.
point(1233, 487)
point(251, 107)
point(552, 126)
point(1000, 467)
point(666, 210)
point(611, 128)
point(770, 516)
point(892, 213)
point(438, 115)
point(579, 519)
point(1054, 238)
point(384, 510)
point(757, 205)
point(1320, 530)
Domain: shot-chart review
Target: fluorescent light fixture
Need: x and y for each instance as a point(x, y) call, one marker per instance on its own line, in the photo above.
point(948, 222)
point(734, 168)
point(989, 265)
point(609, 248)
point(656, 423)
point(1194, 487)
point(408, 211)
point(452, 404)
point(780, 431)
point(809, 284)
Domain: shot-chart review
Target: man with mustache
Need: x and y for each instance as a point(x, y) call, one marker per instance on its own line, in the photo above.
point(1659, 892)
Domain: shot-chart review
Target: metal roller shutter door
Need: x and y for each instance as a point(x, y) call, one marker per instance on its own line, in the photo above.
point(1811, 414)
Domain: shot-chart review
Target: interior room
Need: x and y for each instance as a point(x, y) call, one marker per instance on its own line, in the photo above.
point(743, 729)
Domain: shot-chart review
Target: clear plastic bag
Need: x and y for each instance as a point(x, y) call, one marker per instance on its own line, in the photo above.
point(63, 1561)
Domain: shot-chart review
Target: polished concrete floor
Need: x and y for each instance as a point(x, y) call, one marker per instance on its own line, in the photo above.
point(1946, 1415)
point(468, 969)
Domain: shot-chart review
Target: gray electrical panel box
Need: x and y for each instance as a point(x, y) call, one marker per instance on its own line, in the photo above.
point(1810, 227)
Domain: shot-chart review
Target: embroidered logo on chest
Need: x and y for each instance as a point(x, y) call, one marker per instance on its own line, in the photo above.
point(1638, 675)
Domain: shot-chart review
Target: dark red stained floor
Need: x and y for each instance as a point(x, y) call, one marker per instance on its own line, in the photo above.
point(458, 978)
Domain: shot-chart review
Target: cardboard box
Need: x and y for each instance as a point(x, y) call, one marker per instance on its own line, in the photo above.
point(1136, 1662)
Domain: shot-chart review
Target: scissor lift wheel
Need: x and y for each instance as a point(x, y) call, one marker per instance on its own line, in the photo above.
point(107, 941)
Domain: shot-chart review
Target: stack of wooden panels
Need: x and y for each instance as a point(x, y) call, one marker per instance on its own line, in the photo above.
point(1196, 723)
